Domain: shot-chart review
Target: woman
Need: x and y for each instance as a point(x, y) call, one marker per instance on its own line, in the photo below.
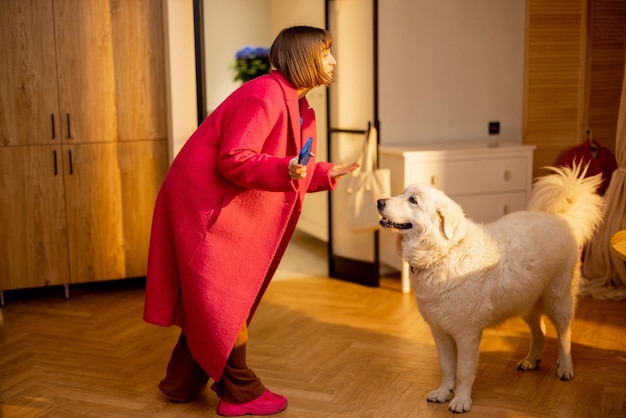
point(225, 213)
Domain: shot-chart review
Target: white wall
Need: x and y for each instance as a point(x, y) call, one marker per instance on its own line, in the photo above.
point(449, 67)
point(446, 68)
point(228, 27)
point(180, 72)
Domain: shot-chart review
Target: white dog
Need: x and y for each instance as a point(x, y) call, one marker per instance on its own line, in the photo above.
point(468, 276)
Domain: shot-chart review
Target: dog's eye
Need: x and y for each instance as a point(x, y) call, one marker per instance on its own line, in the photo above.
point(412, 200)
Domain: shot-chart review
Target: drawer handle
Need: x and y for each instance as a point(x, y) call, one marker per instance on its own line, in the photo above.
point(507, 175)
point(433, 180)
point(505, 210)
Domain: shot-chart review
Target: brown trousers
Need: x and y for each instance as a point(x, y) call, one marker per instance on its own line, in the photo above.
point(185, 377)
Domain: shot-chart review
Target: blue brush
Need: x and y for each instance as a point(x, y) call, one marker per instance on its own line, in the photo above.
point(305, 152)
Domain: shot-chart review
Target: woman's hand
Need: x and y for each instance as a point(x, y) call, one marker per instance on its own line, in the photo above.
point(343, 169)
point(296, 171)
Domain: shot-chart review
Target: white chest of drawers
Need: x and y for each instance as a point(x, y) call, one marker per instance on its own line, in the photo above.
point(488, 180)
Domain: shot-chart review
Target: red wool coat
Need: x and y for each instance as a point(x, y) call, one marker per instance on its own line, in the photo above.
point(225, 213)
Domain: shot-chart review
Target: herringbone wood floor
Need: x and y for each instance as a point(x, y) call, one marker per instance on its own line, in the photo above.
point(335, 349)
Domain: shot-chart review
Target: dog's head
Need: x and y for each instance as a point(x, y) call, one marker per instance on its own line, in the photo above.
point(428, 221)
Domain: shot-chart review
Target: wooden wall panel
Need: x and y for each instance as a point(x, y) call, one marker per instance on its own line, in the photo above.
point(605, 68)
point(574, 70)
point(138, 55)
point(554, 77)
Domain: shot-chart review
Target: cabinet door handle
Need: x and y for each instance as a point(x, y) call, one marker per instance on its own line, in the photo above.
point(71, 165)
point(53, 130)
point(54, 154)
point(69, 131)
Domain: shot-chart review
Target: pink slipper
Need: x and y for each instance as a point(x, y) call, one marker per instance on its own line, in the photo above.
point(267, 404)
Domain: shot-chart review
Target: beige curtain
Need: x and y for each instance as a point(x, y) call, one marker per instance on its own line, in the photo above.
point(604, 273)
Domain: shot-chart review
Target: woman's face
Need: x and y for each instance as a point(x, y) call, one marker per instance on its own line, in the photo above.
point(328, 61)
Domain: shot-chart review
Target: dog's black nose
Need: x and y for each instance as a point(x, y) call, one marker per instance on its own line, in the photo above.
point(380, 203)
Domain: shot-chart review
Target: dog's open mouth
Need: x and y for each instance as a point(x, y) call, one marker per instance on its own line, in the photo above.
point(386, 223)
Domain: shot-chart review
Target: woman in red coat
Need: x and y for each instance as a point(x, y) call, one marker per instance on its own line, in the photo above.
point(225, 213)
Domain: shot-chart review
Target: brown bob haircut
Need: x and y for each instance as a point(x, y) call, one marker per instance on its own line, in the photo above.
point(297, 54)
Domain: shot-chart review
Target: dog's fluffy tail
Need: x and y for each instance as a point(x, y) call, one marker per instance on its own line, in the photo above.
point(568, 193)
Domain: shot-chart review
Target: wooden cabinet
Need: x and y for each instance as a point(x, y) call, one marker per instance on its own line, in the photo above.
point(33, 223)
point(84, 67)
point(83, 145)
point(94, 212)
point(142, 148)
point(488, 180)
point(142, 166)
point(139, 65)
point(28, 65)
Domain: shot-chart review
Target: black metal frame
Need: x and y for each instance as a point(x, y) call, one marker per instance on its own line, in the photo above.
point(198, 24)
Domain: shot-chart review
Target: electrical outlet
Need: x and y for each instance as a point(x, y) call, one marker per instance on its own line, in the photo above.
point(494, 128)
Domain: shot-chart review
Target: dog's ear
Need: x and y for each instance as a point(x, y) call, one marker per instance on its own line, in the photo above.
point(449, 220)
point(443, 225)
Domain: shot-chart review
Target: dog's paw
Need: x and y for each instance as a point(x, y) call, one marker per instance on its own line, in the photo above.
point(565, 369)
point(528, 364)
point(460, 404)
point(439, 396)
point(565, 373)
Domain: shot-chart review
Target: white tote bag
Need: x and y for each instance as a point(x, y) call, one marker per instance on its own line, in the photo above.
point(365, 186)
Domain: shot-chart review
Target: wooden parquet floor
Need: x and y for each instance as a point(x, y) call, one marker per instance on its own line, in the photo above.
point(335, 349)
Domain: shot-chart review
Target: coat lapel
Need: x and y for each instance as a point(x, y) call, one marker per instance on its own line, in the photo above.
point(291, 101)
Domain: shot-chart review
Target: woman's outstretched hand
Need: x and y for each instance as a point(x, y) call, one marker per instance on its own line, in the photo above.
point(298, 171)
point(343, 169)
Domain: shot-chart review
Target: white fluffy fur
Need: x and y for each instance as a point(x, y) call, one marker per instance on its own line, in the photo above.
point(468, 276)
